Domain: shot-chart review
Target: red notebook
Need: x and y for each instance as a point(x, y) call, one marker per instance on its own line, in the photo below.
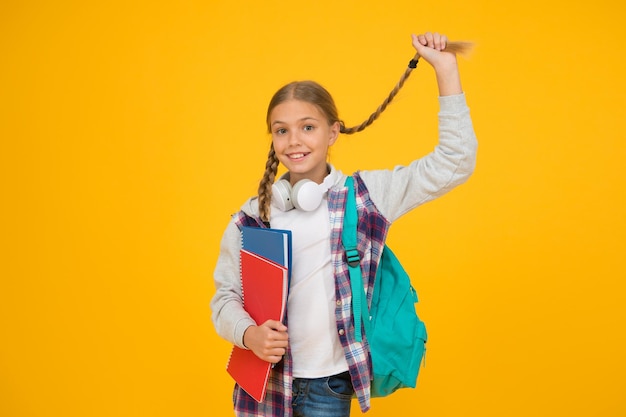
point(265, 285)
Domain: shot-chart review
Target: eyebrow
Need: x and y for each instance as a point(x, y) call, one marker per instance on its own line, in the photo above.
point(300, 120)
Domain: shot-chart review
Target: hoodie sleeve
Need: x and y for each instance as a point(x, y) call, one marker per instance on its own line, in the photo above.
point(227, 312)
point(397, 191)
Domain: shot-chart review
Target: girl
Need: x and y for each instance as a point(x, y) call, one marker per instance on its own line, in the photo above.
point(319, 364)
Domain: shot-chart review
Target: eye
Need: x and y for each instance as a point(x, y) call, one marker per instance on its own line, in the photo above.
point(281, 131)
point(308, 128)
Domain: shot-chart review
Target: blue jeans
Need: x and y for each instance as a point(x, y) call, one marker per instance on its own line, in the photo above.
point(329, 396)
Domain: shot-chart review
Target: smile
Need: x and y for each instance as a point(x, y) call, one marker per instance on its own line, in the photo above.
point(297, 155)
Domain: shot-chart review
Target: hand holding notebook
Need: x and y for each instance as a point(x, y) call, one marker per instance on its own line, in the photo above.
point(267, 340)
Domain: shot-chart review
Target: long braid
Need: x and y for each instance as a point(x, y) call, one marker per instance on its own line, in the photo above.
point(265, 186)
point(380, 109)
point(454, 47)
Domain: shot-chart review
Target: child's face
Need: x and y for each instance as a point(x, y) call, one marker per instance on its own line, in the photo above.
point(301, 137)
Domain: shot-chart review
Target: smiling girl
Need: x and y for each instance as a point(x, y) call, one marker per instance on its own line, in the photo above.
point(320, 365)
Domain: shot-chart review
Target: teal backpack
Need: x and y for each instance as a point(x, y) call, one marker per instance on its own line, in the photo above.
point(396, 336)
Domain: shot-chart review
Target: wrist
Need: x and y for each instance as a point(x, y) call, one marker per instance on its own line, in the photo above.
point(448, 80)
point(243, 337)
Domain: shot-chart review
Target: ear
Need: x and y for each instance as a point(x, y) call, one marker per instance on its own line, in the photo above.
point(334, 133)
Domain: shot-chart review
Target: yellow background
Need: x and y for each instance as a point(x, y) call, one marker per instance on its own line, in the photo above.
point(131, 130)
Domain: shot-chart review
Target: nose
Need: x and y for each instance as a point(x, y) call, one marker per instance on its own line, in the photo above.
point(293, 138)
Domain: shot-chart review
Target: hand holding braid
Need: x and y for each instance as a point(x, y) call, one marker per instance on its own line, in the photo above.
point(428, 40)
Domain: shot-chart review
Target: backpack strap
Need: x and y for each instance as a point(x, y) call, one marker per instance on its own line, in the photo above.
point(349, 238)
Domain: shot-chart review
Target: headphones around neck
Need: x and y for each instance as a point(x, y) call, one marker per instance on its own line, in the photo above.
point(305, 195)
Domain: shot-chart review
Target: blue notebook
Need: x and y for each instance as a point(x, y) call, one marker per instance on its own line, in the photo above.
point(273, 244)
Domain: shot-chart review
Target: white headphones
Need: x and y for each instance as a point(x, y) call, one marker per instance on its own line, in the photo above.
point(305, 195)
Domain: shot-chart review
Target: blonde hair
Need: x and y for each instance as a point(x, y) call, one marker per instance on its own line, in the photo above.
point(313, 93)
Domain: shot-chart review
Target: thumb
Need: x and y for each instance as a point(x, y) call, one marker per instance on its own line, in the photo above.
point(416, 43)
point(422, 48)
point(276, 325)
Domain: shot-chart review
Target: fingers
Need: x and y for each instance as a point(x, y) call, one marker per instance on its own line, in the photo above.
point(431, 46)
point(275, 355)
point(435, 41)
point(273, 342)
point(273, 349)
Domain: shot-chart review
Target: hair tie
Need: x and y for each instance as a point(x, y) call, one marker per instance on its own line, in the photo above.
point(413, 63)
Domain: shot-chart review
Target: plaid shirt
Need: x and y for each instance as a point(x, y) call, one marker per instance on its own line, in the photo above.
point(372, 231)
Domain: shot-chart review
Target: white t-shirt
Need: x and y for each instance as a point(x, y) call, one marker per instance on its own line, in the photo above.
point(313, 338)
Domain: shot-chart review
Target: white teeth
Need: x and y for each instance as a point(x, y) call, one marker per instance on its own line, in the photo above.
point(296, 155)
